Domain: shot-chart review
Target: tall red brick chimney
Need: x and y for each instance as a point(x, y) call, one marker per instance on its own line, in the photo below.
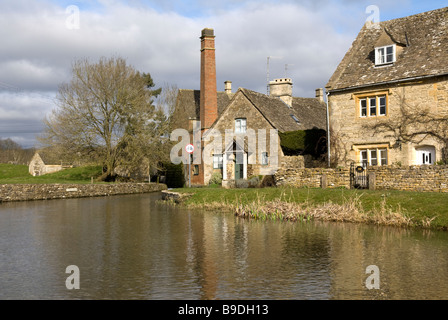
point(209, 97)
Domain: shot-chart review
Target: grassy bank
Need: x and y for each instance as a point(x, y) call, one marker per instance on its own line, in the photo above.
point(10, 173)
point(400, 208)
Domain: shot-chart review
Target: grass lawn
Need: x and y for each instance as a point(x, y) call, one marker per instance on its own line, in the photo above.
point(418, 205)
point(10, 173)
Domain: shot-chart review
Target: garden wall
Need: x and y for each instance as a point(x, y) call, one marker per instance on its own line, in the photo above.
point(24, 192)
point(293, 173)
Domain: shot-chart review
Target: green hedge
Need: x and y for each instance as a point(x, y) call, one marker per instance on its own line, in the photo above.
point(174, 175)
point(313, 142)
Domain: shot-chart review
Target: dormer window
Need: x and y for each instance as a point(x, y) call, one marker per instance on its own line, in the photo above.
point(385, 55)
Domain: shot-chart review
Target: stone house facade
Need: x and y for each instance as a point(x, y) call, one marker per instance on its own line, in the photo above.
point(390, 64)
point(41, 164)
point(244, 115)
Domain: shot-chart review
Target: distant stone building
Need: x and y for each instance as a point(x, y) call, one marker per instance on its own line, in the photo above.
point(241, 112)
point(390, 62)
point(41, 163)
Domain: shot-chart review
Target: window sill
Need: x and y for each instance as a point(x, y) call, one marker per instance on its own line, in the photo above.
point(384, 65)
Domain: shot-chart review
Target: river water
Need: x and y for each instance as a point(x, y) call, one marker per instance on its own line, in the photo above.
point(133, 247)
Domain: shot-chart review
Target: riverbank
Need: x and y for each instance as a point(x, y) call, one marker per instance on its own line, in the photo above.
point(381, 207)
point(28, 192)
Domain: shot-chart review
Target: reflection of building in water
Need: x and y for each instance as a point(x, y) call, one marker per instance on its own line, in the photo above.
point(126, 248)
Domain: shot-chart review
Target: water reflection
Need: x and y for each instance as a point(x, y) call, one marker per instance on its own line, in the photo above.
point(130, 247)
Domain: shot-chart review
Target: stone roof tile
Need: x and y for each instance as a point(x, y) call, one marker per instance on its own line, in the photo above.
point(424, 38)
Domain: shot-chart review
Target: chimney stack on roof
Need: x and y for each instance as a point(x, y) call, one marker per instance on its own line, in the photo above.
point(228, 87)
point(282, 88)
point(208, 94)
point(320, 94)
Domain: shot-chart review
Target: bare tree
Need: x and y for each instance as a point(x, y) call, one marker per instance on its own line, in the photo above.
point(166, 102)
point(339, 152)
point(11, 152)
point(103, 113)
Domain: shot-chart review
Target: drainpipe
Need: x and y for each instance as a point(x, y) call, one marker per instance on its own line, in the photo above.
point(328, 132)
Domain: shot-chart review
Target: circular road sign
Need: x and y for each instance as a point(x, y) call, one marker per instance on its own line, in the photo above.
point(189, 148)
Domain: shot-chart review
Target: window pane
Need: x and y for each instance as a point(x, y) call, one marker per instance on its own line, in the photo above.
point(363, 107)
point(243, 125)
point(372, 106)
point(217, 161)
point(240, 125)
point(364, 157)
point(383, 155)
point(382, 105)
point(390, 54)
point(373, 158)
point(264, 158)
point(380, 58)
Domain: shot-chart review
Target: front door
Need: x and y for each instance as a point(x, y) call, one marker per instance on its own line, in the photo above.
point(239, 171)
point(426, 155)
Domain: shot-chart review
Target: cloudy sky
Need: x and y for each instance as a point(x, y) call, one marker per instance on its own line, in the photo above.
point(305, 40)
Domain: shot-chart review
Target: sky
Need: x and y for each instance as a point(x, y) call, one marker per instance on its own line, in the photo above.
point(305, 41)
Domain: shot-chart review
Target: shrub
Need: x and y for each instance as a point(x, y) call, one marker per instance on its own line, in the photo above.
point(268, 181)
point(216, 178)
point(254, 182)
point(241, 184)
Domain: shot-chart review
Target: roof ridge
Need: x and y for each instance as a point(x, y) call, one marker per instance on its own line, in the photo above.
point(415, 15)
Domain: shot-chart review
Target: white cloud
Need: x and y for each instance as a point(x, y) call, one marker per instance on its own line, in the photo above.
point(311, 36)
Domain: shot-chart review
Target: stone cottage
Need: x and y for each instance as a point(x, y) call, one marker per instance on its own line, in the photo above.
point(43, 163)
point(244, 113)
point(390, 65)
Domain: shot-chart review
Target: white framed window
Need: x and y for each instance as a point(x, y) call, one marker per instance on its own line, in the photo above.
point(383, 157)
point(364, 158)
point(217, 161)
point(373, 106)
point(373, 157)
point(240, 125)
point(264, 158)
point(385, 55)
point(363, 107)
point(382, 105)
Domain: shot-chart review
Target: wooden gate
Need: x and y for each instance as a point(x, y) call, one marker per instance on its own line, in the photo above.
point(358, 176)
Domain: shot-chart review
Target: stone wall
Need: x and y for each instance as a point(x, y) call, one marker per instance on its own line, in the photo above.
point(24, 192)
point(293, 173)
point(411, 178)
point(349, 131)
